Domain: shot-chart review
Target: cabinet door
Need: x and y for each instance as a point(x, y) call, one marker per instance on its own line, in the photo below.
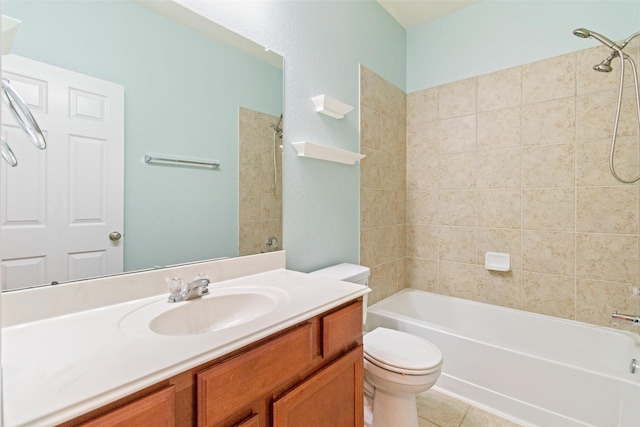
point(331, 397)
point(226, 388)
point(154, 410)
point(253, 421)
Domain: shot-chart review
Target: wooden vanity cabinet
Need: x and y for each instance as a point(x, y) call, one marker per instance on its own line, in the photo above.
point(310, 374)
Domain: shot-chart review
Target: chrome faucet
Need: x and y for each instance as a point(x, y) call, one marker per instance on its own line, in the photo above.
point(625, 317)
point(180, 291)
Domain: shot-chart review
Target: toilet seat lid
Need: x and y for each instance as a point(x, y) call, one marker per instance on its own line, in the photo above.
point(401, 352)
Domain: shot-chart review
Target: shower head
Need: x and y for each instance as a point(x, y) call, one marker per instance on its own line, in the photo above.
point(585, 34)
point(277, 129)
point(582, 33)
point(604, 66)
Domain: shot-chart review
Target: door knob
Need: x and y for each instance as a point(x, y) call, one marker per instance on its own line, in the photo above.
point(115, 236)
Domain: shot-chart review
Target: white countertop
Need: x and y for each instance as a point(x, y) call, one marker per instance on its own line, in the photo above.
point(60, 367)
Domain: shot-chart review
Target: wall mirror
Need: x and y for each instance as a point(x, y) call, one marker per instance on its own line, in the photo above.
point(181, 92)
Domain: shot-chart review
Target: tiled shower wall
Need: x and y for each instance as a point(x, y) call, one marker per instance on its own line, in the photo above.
point(517, 161)
point(260, 205)
point(382, 183)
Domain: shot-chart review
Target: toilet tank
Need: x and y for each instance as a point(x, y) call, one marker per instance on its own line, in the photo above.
point(349, 273)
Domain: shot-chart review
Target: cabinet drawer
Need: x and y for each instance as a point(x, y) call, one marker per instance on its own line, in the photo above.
point(154, 410)
point(230, 385)
point(341, 329)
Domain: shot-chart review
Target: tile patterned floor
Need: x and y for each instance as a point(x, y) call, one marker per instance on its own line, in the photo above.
point(440, 410)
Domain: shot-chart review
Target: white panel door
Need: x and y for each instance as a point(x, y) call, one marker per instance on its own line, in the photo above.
point(59, 206)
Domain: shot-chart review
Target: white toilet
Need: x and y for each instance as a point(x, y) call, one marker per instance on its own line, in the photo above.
point(397, 364)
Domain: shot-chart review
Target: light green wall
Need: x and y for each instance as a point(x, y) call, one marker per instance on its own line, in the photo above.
point(172, 214)
point(494, 35)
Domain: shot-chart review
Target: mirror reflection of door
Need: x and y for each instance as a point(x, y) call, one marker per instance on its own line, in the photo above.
point(60, 205)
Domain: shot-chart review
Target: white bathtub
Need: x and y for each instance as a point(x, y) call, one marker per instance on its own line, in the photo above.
point(536, 370)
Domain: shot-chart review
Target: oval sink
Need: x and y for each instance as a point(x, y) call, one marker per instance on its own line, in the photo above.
point(213, 313)
point(222, 309)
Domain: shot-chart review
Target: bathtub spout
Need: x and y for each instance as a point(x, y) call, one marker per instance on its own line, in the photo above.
point(625, 317)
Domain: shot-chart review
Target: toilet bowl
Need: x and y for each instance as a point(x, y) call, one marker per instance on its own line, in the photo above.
point(397, 365)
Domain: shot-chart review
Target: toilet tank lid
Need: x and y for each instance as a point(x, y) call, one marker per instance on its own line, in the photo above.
point(345, 272)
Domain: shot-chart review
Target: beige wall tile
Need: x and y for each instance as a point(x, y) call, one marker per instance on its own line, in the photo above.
point(500, 90)
point(550, 295)
point(499, 208)
point(548, 166)
point(398, 207)
point(393, 102)
point(249, 178)
point(607, 210)
point(422, 105)
point(549, 122)
point(548, 252)
point(457, 134)
point(248, 150)
point(271, 206)
point(500, 128)
point(607, 257)
point(370, 238)
point(382, 282)
point(422, 274)
point(549, 79)
point(401, 273)
point(393, 136)
point(457, 171)
point(457, 98)
point(499, 288)
point(250, 208)
point(422, 137)
point(457, 280)
point(250, 237)
point(390, 179)
point(392, 238)
point(457, 244)
point(373, 168)
point(422, 241)
point(370, 128)
point(592, 161)
point(499, 168)
point(251, 124)
point(550, 209)
point(422, 172)
point(389, 209)
point(595, 114)
point(422, 207)
point(372, 212)
point(597, 300)
point(457, 207)
point(400, 232)
point(370, 88)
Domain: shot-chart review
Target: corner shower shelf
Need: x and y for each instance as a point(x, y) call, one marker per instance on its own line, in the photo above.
point(322, 152)
point(331, 106)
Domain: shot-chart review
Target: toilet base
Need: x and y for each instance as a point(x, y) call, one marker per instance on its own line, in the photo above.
point(394, 409)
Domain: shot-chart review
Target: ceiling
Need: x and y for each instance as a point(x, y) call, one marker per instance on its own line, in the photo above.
point(411, 13)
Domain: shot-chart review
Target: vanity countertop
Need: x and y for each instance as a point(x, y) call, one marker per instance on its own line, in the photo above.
point(60, 367)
